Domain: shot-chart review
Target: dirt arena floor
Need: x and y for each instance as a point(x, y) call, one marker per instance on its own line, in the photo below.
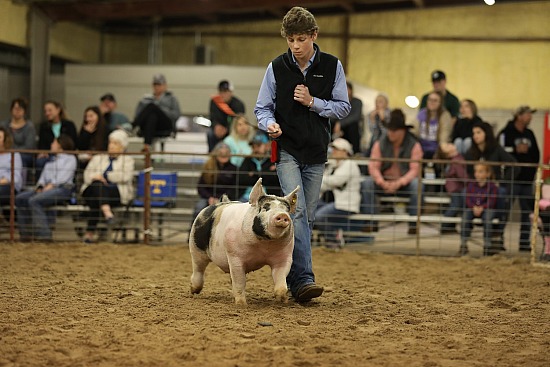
point(68, 304)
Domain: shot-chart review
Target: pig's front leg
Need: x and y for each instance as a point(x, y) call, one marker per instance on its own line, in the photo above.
point(238, 281)
point(279, 274)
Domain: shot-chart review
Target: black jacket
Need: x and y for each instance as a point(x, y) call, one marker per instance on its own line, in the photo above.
point(45, 133)
point(513, 137)
point(306, 134)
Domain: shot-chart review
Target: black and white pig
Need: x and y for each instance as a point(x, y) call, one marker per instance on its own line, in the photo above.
point(243, 237)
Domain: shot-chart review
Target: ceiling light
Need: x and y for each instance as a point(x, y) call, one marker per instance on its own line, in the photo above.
point(489, 2)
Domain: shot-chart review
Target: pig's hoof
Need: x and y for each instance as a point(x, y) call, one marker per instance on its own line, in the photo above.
point(196, 290)
point(240, 301)
point(281, 296)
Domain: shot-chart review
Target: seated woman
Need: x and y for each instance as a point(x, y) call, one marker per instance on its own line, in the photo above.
point(55, 186)
point(461, 136)
point(22, 130)
point(56, 124)
point(92, 136)
point(343, 177)
point(218, 177)
point(6, 168)
point(108, 182)
point(239, 139)
point(433, 125)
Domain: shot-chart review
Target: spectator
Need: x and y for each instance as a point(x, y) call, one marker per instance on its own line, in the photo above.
point(544, 218)
point(486, 148)
point(258, 165)
point(6, 166)
point(349, 127)
point(108, 182)
point(520, 141)
point(433, 125)
point(451, 103)
point(114, 120)
point(55, 125)
point(390, 177)
point(22, 130)
point(224, 106)
point(481, 197)
point(55, 186)
point(343, 177)
point(156, 113)
point(287, 109)
point(461, 136)
point(239, 139)
point(378, 119)
point(455, 177)
point(218, 177)
point(93, 135)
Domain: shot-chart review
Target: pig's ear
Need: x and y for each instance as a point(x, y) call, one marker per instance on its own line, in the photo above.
point(224, 199)
point(256, 193)
point(292, 199)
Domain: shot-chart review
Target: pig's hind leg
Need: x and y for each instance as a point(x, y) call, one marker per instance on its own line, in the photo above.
point(200, 261)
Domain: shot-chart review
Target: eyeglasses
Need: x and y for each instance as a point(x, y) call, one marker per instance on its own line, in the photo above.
point(433, 99)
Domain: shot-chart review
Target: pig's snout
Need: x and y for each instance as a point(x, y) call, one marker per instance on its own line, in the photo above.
point(282, 220)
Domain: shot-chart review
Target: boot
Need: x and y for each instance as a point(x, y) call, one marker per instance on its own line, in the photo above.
point(463, 251)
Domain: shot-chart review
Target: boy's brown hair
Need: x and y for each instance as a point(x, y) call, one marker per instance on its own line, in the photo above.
point(298, 20)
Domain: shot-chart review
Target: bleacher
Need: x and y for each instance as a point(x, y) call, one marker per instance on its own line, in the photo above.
point(185, 154)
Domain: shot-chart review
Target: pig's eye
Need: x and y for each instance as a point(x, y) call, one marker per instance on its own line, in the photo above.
point(266, 207)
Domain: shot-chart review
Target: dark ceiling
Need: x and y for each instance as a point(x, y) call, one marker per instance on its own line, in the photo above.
point(126, 15)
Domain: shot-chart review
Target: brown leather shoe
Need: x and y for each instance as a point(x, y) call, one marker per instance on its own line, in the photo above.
point(307, 292)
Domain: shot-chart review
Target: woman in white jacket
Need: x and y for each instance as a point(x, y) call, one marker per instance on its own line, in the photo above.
point(343, 177)
point(108, 182)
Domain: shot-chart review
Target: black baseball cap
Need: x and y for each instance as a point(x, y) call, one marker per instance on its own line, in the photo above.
point(438, 75)
point(108, 97)
point(225, 85)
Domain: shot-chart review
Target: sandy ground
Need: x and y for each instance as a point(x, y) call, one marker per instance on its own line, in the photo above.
point(129, 305)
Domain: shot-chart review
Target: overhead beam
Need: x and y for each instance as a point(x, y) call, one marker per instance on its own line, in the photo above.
point(113, 10)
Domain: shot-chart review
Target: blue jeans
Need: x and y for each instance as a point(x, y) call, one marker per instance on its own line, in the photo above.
point(31, 206)
point(502, 209)
point(455, 206)
point(369, 190)
point(309, 177)
point(328, 220)
point(524, 194)
point(487, 218)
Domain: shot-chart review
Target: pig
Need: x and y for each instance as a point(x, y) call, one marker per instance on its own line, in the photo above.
point(243, 237)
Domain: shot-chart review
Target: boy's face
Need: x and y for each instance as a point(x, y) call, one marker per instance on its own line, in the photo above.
point(481, 173)
point(301, 45)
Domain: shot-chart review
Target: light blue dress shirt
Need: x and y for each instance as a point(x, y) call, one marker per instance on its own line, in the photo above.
point(59, 170)
point(336, 108)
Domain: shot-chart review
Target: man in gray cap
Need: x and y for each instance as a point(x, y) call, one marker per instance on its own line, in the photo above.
point(156, 113)
point(521, 143)
point(451, 102)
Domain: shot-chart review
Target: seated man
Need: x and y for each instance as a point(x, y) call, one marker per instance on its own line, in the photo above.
point(156, 113)
point(223, 107)
point(115, 120)
point(55, 186)
point(392, 177)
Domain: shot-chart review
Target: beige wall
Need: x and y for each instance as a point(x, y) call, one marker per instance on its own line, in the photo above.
point(497, 55)
point(493, 55)
point(13, 23)
point(74, 42)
